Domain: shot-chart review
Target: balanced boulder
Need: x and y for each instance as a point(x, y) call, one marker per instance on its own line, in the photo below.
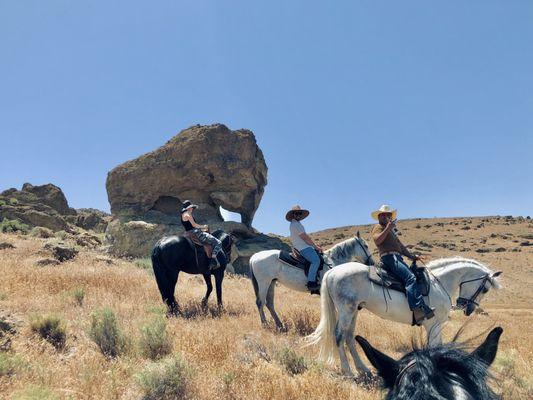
point(210, 165)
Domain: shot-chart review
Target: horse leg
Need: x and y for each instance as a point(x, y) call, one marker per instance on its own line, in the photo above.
point(360, 366)
point(168, 296)
point(207, 278)
point(270, 305)
point(262, 291)
point(219, 277)
point(341, 335)
point(434, 332)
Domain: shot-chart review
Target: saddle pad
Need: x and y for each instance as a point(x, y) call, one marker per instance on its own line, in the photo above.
point(288, 258)
point(381, 277)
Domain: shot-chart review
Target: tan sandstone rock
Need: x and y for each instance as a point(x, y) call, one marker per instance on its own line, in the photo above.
point(210, 165)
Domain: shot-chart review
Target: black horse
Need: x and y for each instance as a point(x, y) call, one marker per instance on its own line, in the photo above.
point(173, 254)
point(437, 373)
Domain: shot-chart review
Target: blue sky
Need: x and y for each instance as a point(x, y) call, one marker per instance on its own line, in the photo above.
point(427, 106)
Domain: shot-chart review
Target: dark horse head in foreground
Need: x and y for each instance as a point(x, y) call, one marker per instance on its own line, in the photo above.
point(173, 254)
point(437, 373)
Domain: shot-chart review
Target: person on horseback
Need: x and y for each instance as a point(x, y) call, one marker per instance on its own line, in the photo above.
point(391, 251)
point(304, 244)
point(218, 258)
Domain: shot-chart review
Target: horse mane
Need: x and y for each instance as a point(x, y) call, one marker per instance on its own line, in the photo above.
point(342, 250)
point(446, 262)
point(442, 372)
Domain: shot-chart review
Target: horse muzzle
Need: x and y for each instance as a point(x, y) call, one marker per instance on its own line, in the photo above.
point(468, 307)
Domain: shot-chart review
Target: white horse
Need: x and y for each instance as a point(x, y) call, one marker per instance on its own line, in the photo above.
point(266, 269)
point(346, 289)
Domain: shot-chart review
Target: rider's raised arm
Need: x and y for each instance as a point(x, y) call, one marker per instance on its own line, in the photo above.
point(189, 217)
point(379, 234)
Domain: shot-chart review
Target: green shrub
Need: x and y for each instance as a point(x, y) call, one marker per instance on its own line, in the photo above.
point(107, 334)
point(144, 263)
point(62, 235)
point(34, 393)
point(155, 342)
point(79, 295)
point(9, 365)
point(41, 232)
point(13, 225)
point(292, 362)
point(2, 203)
point(165, 380)
point(13, 201)
point(50, 328)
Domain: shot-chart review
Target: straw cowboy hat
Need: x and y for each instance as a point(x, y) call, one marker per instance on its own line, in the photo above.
point(382, 210)
point(296, 213)
point(187, 205)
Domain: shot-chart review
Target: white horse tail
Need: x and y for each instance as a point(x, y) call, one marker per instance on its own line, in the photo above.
point(324, 334)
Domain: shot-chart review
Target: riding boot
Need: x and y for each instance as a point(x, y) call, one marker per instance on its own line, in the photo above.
point(213, 264)
point(429, 312)
point(313, 287)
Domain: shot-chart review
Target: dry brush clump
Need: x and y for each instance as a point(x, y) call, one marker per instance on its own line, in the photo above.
point(154, 340)
point(166, 380)
point(107, 334)
point(51, 328)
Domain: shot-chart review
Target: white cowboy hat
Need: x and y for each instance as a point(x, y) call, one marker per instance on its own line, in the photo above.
point(384, 209)
point(296, 210)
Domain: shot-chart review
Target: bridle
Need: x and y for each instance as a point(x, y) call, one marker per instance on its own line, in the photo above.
point(403, 371)
point(367, 254)
point(464, 302)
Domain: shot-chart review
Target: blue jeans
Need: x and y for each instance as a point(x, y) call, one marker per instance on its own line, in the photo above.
point(310, 255)
point(396, 266)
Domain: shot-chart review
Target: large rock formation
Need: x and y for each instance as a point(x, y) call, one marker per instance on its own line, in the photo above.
point(46, 206)
point(210, 165)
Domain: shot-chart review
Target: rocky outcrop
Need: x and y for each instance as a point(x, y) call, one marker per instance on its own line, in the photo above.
point(46, 206)
point(209, 165)
point(51, 195)
point(37, 206)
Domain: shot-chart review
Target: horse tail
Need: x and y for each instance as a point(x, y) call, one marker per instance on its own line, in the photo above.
point(159, 272)
point(254, 280)
point(324, 334)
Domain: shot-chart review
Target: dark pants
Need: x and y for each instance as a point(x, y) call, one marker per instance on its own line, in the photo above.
point(396, 266)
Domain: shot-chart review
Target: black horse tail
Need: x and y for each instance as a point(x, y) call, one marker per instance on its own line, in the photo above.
point(254, 283)
point(159, 272)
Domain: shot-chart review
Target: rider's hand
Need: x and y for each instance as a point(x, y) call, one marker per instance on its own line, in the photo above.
point(391, 224)
point(418, 257)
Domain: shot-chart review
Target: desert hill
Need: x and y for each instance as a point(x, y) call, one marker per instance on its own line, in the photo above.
point(228, 355)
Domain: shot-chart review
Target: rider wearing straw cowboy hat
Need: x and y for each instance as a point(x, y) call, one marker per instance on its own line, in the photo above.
point(391, 250)
point(304, 244)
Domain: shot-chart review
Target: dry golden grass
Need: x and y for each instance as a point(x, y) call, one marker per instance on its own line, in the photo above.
point(229, 355)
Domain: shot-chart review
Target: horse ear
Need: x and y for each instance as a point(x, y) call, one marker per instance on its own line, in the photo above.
point(486, 352)
point(387, 367)
point(496, 274)
point(358, 234)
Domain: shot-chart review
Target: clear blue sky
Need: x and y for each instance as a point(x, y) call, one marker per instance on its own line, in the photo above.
point(427, 106)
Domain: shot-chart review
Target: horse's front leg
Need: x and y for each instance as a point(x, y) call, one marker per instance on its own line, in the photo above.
point(173, 308)
point(434, 332)
point(207, 278)
point(219, 277)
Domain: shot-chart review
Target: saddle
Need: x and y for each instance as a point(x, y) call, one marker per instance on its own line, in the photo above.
point(295, 259)
point(379, 276)
point(196, 245)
